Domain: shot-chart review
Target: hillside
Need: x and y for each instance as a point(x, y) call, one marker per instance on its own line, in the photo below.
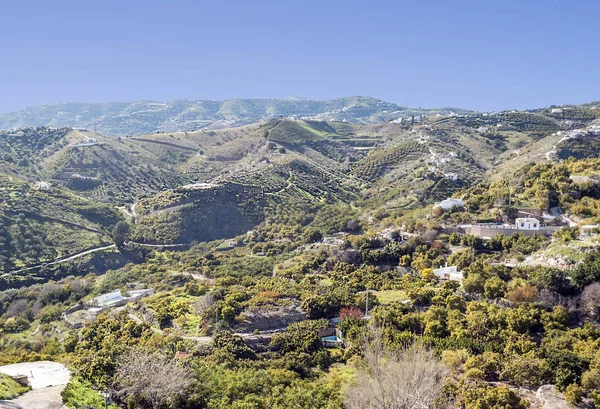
point(139, 117)
point(385, 167)
point(248, 248)
point(42, 223)
point(111, 170)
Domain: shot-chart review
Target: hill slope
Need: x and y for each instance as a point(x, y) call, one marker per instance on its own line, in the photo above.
point(139, 117)
point(43, 224)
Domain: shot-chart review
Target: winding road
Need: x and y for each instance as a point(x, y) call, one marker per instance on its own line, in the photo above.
point(60, 260)
point(85, 253)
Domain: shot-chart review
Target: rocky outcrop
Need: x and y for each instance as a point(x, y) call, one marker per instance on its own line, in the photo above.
point(550, 398)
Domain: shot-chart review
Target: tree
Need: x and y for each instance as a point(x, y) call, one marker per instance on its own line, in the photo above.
point(474, 283)
point(488, 363)
point(229, 347)
point(152, 378)
point(588, 271)
point(411, 378)
point(494, 287)
point(121, 233)
point(554, 280)
point(522, 294)
point(427, 275)
point(313, 236)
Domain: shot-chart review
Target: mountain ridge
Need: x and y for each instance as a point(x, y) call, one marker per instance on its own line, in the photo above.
point(147, 116)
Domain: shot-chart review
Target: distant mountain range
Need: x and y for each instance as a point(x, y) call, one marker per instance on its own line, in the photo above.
point(142, 117)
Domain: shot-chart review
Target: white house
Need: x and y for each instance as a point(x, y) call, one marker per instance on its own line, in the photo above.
point(527, 223)
point(450, 203)
point(451, 176)
point(109, 299)
point(556, 111)
point(116, 299)
point(449, 273)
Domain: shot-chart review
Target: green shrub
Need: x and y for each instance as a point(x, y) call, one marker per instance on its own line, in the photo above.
point(574, 393)
point(9, 388)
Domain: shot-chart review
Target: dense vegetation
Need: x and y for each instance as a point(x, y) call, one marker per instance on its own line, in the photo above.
point(293, 232)
point(38, 225)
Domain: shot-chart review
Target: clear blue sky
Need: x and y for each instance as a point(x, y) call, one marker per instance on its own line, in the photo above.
point(478, 54)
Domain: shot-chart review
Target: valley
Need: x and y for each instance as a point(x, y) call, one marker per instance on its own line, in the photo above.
point(280, 243)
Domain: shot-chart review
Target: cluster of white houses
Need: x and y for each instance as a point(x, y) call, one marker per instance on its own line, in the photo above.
point(526, 225)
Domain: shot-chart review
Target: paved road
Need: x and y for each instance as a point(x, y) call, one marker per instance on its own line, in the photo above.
point(47, 380)
point(555, 212)
point(85, 253)
point(61, 260)
point(158, 245)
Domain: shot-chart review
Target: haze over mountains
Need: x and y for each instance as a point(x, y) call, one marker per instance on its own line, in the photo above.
point(139, 117)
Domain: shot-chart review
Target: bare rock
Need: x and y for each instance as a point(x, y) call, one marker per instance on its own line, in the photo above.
point(549, 397)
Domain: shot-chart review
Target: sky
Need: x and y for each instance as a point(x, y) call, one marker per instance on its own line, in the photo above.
point(482, 55)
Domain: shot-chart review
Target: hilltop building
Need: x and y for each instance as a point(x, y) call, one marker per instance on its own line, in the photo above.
point(116, 299)
point(109, 299)
point(81, 314)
